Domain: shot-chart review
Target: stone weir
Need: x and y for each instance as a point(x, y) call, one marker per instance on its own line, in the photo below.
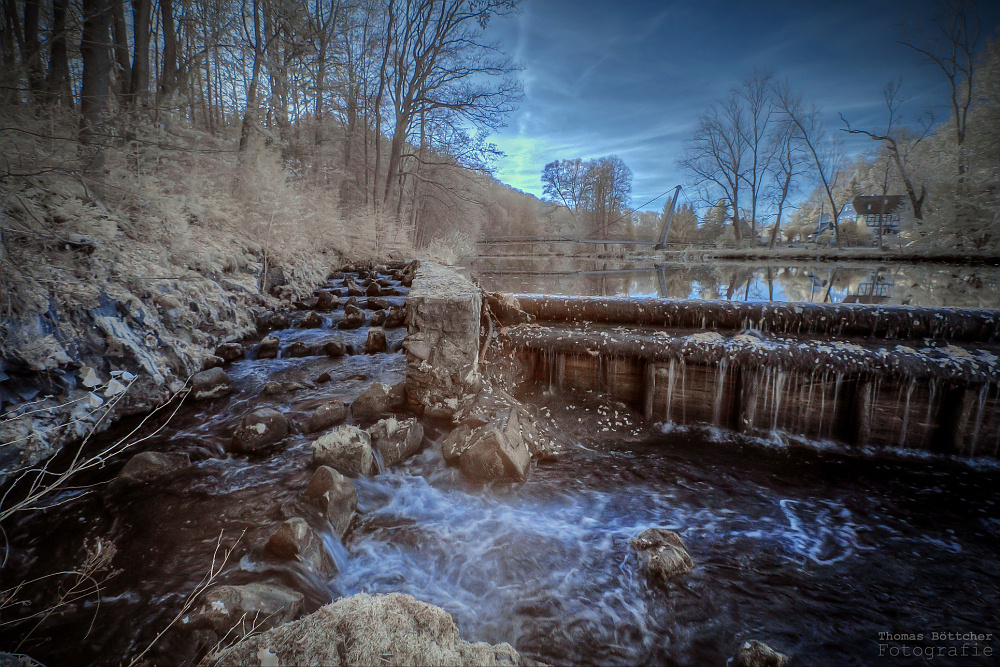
point(916, 378)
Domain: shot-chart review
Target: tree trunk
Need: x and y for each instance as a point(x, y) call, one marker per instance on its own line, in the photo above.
point(95, 49)
point(139, 86)
point(169, 74)
point(31, 54)
point(57, 86)
point(250, 116)
point(121, 48)
point(11, 35)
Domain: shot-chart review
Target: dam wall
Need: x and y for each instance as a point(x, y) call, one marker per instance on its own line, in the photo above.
point(917, 378)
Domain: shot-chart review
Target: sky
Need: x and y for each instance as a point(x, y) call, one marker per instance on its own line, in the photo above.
point(631, 78)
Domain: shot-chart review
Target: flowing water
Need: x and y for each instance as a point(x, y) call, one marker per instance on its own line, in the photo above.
point(813, 550)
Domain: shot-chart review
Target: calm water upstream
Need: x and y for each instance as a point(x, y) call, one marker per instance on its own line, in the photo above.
point(813, 550)
point(858, 282)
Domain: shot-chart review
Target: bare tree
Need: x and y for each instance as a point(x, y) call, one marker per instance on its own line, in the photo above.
point(95, 48)
point(890, 139)
point(716, 154)
point(758, 105)
point(951, 46)
point(439, 60)
point(823, 149)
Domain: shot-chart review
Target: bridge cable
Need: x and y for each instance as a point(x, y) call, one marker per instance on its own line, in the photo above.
point(623, 216)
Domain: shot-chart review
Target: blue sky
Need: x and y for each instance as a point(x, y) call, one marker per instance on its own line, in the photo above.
point(630, 78)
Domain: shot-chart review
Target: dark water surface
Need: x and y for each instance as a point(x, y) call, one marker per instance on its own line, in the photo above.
point(814, 550)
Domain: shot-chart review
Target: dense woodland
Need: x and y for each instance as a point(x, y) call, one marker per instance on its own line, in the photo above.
point(373, 113)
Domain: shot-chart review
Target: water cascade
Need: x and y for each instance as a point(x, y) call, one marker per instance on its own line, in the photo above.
point(919, 378)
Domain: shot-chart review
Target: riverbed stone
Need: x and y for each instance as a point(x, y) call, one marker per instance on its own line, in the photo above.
point(754, 653)
point(455, 443)
point(375, 303)
point(396, 440)
point(377, 319)
point(395, 317)
point(662, 554)
point(212, 361)
point(335, 495)
point(326, 415)
point(239, 609)
point(259, 429)
point(230, 351)
point(348, 449)
point(378, 400)
point(335, 347)
point(312, 320)
point(326, 301)
point(373, 290)
point(296, 540)
point(494, 455)
point(375, 342)
point(149, 467)
point(296, 349)
point(213, 383)
point(393, 629)
point(268, 348)
point(353, 318)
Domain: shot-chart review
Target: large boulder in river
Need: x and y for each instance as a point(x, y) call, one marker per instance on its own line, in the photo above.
point(325, 416)
point(662, 553)
point(148, 467)
point(334, 495)
point(347, 449)
point(261, 428)
point(364, 629)
point(234, 611)
point(296, 540)
point(758, 654)
point(335, 347)
point(378, 400)
point(495, 455)
point(396, 440)
point(213, 383)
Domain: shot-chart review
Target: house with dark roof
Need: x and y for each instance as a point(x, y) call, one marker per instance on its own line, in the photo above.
point(878, 210)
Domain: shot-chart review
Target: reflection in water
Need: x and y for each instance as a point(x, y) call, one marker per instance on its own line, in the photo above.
point(861, 282)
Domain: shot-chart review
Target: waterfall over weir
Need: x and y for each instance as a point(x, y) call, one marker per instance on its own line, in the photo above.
point(916, 378)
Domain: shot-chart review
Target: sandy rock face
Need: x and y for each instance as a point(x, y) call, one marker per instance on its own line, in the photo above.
point(662, 553)
point(259, 429)
point(348, 449)
point(366, 629)
point(213, 383)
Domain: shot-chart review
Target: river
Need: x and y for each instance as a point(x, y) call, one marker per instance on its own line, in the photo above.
point(813, 549)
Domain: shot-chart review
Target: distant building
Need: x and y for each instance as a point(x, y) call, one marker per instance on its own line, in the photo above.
point(879, 210)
